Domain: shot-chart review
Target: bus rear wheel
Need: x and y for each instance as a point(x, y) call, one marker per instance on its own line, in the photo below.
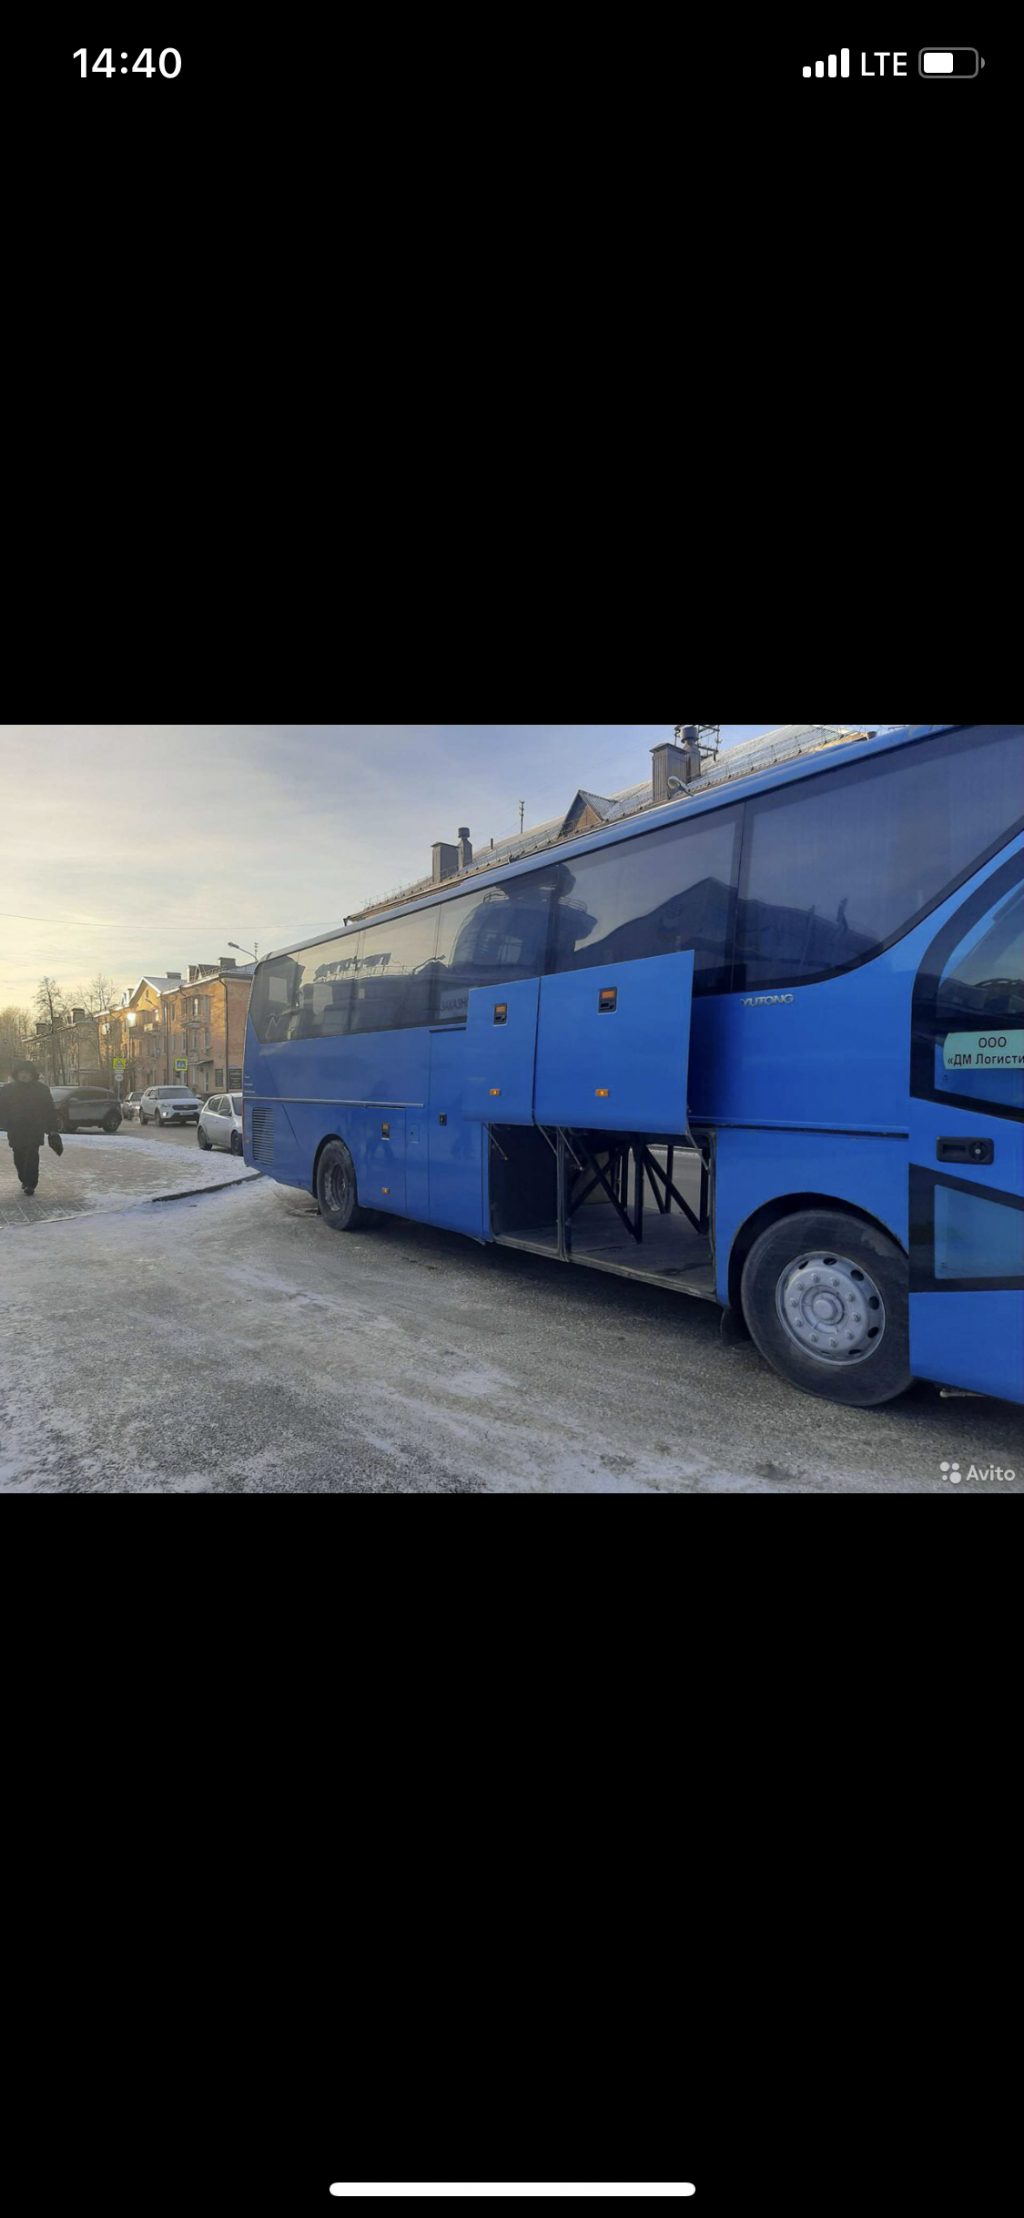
point(336, 1191)
point(825, 1297)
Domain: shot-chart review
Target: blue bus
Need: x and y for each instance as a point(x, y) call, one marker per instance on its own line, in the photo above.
point(762, 1044)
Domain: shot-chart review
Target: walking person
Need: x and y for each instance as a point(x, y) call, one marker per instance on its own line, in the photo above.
point(27, 1114)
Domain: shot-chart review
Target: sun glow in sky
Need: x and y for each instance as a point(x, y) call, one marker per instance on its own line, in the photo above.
point(135, 848)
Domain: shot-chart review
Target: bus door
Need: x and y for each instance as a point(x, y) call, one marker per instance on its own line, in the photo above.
point(613, 1045)
point(966, 1217)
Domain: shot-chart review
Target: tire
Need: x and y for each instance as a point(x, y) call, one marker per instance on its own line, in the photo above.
point(61, 1123)
point(779, 1290)
point(336, 1191)
point(143, 1119)
point(236, 1143)
point(111, 1123)
point(201, 1137)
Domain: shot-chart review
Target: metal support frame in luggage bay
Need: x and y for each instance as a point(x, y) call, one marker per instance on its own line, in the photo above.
point(615, 1182)
point(614, 1201)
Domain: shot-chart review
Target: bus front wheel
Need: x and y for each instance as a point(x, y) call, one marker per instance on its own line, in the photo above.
point(825, 1297)
point(336, 1191)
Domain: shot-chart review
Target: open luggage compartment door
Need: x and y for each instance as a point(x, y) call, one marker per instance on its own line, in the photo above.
point(501, 1046)
point(613, 1046)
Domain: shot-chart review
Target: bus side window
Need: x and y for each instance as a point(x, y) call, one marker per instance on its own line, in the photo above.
point(979, 1010)
point(661, 893)
point(496, 933)
point(394, 984)
point(838, 866)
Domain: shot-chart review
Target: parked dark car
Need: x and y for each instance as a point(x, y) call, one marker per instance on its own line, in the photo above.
point(80, 1106)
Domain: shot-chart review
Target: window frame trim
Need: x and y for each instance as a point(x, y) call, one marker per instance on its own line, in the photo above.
point(921, 1233)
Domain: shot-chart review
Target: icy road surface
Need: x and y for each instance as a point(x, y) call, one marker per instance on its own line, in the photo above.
point(108, 1170)
point(229, 1342)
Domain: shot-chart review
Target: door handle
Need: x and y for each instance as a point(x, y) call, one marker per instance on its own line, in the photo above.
point(965, 1151)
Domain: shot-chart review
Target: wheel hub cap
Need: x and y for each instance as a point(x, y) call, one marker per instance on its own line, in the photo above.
point(831, 1308)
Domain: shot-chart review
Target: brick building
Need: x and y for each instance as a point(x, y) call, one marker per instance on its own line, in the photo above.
point(203, 1024)
point(133, 1030)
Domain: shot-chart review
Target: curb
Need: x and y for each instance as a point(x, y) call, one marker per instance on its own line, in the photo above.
point(183, 1193)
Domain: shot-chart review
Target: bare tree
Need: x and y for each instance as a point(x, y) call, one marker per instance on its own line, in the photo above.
point(101, 991)
point(52, 1006)
point(15, 1024)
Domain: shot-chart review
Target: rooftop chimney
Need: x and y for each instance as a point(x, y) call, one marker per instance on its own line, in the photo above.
point(173, 977)
point(444, 861)
point(668, 762)
point(77, 1016)
point(465, 850)
point(227, 962)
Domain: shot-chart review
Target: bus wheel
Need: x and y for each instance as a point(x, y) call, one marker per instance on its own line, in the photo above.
point(336, 1191)
point(825, 1296)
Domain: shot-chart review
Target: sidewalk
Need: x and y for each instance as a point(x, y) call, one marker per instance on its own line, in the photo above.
point(102, 1171)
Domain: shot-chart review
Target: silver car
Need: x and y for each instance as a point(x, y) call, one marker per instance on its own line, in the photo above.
point(130, 1105)
point(169, 1105)
point(220, 1123)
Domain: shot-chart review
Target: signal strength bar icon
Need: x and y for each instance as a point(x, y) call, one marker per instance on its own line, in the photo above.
point(819, 69)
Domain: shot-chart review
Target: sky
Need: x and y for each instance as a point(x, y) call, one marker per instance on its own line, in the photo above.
point(141, 848)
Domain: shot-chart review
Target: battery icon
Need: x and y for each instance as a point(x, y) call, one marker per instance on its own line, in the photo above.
point(949, 61)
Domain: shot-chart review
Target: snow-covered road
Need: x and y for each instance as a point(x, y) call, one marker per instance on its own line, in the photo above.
point(109, 1170)
point(229, 1342)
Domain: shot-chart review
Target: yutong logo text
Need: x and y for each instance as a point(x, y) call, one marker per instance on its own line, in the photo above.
point(765, 1000)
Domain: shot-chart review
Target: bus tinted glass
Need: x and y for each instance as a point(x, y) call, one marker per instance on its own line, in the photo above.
point(492, 935)
point(305, 995)
point(839, 864)
point(393, 980)
point(653, 895)
point(376, 980)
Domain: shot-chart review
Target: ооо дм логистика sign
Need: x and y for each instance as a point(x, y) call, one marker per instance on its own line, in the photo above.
point(520, 2188)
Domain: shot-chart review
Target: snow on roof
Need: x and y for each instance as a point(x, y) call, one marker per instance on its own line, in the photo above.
point(748, 756)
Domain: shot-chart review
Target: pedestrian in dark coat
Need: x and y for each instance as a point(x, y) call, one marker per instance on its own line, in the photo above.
point(28, 1116)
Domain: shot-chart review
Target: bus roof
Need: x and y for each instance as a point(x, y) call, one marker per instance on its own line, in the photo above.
point(772, 758)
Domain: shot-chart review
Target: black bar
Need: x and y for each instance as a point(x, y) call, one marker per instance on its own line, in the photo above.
point(564, 1215)
point(676, 1195)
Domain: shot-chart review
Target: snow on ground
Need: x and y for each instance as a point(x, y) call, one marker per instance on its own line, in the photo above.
point(101, 1170)
point(229, 1342)
point(95, 1173)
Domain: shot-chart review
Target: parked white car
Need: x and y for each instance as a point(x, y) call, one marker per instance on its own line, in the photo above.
point(220, 1123)
point(169, 1105)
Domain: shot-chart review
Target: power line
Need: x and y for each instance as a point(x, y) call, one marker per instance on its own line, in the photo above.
point(91, 924)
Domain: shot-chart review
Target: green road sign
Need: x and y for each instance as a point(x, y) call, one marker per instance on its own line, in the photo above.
point(180, 1063)
point(118, 1063)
